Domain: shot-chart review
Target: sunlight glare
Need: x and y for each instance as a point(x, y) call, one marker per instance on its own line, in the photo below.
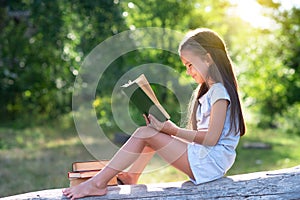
point(250, 11)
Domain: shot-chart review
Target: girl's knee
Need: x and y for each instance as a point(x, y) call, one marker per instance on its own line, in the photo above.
point(141, 132)
point(144, 132)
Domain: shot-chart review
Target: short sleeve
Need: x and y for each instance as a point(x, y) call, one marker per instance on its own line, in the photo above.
point(218, 91)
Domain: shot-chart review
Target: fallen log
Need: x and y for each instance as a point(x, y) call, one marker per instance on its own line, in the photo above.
point(279, 184)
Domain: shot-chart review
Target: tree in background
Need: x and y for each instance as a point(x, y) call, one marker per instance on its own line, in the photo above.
point(43, 44)
point(289, 41)
point(176, 15)
point(269, 61)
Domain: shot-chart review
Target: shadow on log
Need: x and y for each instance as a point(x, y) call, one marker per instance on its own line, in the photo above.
point(279, 184)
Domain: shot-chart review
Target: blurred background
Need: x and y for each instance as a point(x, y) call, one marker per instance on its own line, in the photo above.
point(43, 44)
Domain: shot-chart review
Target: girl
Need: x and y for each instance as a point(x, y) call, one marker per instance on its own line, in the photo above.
point(206, 149)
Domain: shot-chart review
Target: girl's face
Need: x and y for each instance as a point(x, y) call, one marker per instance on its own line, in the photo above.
point(196, 67)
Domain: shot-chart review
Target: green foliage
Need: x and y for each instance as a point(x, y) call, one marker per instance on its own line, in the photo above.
point(263, 78)
point(288, 121)
point(43, 46)
point(154, 13)
point(289, 41)
point(269, 68)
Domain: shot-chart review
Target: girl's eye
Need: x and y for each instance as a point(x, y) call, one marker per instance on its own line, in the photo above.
point(189, 65)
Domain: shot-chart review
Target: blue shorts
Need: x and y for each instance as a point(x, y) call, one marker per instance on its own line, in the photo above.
point(209, 163)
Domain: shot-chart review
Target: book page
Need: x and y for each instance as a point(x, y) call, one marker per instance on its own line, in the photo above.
point(145, 86)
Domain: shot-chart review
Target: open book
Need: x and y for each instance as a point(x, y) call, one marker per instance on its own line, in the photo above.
point(142, 96)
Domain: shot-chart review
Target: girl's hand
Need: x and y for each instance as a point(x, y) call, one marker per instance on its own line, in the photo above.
point(167, 127)
point(146, 119)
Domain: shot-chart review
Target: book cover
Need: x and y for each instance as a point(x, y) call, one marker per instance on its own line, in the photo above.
point(83, 174)
point(82, 171)
point(142, 96)
point(77, 181)
point(89, 165)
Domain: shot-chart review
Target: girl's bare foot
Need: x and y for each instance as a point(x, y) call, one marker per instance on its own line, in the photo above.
point(128, 178)
point(87, 188)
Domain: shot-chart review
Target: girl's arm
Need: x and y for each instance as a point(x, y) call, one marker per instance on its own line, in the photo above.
point(209, 137)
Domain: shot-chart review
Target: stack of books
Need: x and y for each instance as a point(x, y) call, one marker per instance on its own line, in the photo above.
point(82, 171)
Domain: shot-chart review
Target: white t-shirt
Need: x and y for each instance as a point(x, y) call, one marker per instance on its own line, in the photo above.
point(212, 162)
point(215, 93)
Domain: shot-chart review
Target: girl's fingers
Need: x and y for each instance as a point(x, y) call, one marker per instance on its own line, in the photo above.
point(155, 123)
point(151, 118)
point(146, 119)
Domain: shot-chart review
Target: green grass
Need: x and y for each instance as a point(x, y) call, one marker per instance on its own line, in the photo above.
point(39, 158)
point(284, 152)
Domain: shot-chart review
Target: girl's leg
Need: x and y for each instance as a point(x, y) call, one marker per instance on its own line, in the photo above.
point(171, 149)
point(134, 172)
point(97, 185)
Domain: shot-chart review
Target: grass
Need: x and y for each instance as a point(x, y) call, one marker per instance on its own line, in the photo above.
point(39, 158)
point(284, 152)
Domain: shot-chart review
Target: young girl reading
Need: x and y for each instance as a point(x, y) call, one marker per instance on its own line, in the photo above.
point(205, 150)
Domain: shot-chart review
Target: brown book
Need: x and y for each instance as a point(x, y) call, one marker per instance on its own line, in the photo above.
point(89, 165)
point(83, 174)
point(142, 96)
point(77, 181)
point(82, 171)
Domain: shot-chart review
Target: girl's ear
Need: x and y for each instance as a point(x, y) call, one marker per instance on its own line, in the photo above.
point(208, 59)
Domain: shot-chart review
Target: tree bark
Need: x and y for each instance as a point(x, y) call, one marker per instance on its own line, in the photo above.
point(279, 184)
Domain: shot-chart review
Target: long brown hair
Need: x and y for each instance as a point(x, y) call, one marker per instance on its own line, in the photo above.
point(203, 41)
